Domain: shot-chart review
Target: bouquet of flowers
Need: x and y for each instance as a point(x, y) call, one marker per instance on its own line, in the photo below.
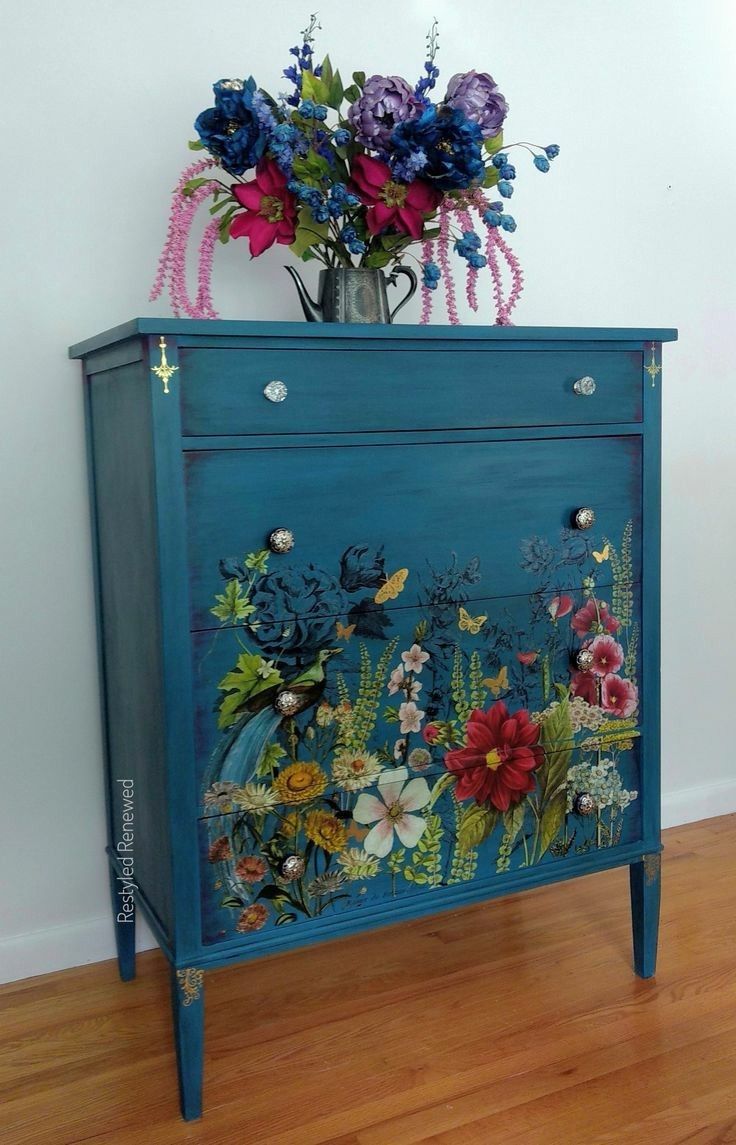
point(354, 176)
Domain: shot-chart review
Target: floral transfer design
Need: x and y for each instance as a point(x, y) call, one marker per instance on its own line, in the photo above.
point(419, 753)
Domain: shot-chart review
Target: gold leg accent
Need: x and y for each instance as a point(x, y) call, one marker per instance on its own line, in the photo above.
point(652, 867)
point(190, 984)
point(163, 370)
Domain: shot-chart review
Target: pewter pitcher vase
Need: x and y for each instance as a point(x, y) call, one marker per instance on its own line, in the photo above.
point(353, 294)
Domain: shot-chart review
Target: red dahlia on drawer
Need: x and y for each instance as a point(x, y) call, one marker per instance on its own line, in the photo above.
point(496, 766)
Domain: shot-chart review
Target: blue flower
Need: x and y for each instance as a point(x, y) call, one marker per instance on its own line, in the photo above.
point(500, 160)
point(362, 566)
point(552, 151)
point(349, 236)
point(508, 222)
point(492, 218)
point(231, 130)
point(310, 110)
point(451, 143)
point(541, 162)
point(296, 610)
point(477, 260)
point(342, 137)
point(505, 189)
point(508, 171)
point(430, 275)
point(407, 169)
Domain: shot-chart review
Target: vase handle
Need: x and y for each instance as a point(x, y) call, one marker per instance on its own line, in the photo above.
point(412, 287)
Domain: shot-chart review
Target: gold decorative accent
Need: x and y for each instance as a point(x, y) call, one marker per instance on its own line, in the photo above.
point(190, 984)
point(163, 370)
point(652, 867)
point(653, 369)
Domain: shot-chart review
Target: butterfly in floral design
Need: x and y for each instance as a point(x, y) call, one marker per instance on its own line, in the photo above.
point(468, 623)
point(391, 588)
point(344, 631)
point(499, 683)
point(603, 555)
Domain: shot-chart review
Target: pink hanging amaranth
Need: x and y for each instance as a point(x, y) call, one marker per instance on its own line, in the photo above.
point(497, 251)
point(443, 259)
point(427, 294)
point(173, 261)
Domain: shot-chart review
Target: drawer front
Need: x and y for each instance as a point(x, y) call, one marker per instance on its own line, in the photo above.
point(427, 840)
point(332, 391)
point(382, 527)
point(425, 755)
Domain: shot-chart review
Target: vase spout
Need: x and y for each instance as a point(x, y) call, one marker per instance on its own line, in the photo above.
point(312, 310)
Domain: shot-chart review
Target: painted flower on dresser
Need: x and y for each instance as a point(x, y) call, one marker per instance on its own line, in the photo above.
point(296, 610)
point(497, 765)
point(393, 809)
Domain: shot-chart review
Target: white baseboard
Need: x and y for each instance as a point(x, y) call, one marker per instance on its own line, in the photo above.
point(702, 802)
point(58, 948)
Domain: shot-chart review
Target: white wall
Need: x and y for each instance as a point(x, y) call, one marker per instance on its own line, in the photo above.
point(634, 226)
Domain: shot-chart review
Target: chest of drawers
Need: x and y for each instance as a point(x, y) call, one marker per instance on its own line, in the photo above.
point(378, 628)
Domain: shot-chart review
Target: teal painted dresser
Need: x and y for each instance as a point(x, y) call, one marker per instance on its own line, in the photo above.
point(379, 628)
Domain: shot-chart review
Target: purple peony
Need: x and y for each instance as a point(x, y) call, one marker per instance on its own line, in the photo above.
point(476, 94)
point(386, 101)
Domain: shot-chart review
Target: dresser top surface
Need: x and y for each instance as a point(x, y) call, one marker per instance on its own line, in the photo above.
point(306, 331)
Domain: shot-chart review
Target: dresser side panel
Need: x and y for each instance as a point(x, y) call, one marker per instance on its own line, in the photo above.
point(128, 603)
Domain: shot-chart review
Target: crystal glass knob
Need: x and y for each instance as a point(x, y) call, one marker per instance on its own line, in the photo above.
point(292, 867)
point(276, 391)
point(583, 518)
point(281, 541)
point(288, 703)
point(584, 659)
point(584, 804)
point(584, 386)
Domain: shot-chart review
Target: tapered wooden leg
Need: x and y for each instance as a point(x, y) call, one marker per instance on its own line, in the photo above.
point(123, 913)
point(187, 1000)
point(645, 880)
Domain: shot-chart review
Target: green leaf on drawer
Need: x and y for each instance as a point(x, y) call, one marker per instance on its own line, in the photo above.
point(441, 785)
point(231, 901)
point(232, 605)
point(556, 739)
point(475, 826)
point(251, 676)
point(270, 756)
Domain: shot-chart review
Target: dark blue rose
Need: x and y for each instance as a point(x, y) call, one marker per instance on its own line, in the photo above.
point(230, 130)
point(361, 567)
point(537, 555)
point(451, 142)
point(370, 620)
point(296, 610)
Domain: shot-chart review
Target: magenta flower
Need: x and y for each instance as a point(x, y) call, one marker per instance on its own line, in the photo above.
point(618, 696)
point(270, 210)
point(608, 655)
point(594, 617)
point(584, 685)
point(392, 204)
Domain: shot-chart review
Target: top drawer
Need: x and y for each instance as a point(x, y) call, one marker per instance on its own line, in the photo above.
point(343, 390)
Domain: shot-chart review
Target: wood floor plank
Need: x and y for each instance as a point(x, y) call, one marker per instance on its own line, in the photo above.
point(517, 1021)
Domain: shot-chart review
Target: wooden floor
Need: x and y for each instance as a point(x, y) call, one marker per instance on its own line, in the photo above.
point(514, 1022)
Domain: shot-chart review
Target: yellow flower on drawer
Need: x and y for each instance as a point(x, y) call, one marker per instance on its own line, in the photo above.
point(300, 782)
point(326, 831)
